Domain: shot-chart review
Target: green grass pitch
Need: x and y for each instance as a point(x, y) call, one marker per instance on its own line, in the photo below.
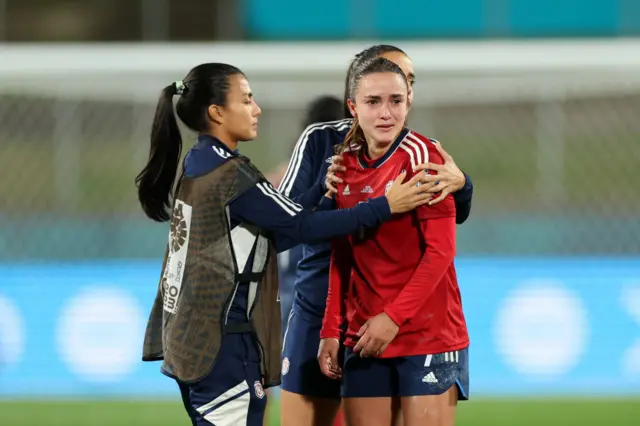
point(478, 412)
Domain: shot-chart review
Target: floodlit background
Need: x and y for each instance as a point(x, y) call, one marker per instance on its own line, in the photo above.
point(539, 101)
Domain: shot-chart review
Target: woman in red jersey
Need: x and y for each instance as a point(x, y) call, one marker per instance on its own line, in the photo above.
point(395, 286)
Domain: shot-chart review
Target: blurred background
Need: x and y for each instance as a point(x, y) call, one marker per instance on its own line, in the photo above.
point(538, 101)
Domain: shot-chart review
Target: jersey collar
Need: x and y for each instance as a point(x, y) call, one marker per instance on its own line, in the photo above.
point(208, 140)
point(364, 164)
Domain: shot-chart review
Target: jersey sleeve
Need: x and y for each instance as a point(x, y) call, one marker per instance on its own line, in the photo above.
point(339, 275)
point(311, 198)
point(440, 237)
point(301, 173)
point(462, 199)
point(427, 153)
point(262, 205)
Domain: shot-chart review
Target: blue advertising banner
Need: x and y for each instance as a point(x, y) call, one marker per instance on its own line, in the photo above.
point(537, 326)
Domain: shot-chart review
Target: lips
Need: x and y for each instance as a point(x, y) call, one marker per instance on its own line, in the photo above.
point(385, 127)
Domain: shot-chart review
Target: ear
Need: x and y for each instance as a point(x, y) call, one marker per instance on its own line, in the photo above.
point(215, 114)
point(352, 108)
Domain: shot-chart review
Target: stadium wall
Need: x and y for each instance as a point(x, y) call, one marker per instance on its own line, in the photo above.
point(538, 326)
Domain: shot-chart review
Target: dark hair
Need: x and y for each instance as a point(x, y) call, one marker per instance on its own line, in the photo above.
point(355, 136)
point(205, 85)
point(365, 56)
point(322, 109)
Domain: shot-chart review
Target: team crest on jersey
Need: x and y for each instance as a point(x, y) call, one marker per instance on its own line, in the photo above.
point(257, 386)
point(285, 366)
point(346, 190)
point(388, 187)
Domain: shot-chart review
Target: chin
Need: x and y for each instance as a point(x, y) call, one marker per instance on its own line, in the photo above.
point(384, 138)
point(250, 136)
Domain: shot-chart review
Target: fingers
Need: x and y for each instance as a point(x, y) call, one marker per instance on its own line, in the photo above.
point(336, 160)
point(335, 366)
point(420, 199)
point(328, 360)
point(445, 155)
point(430, 166)
point(331, 174)
point(336, 168)
point(363, 329)
point(331, 187)
point(383, 348)
point(441, 197)
point(424, 178)
point(400, 178)
point(372, 349)
point(431, 187)
point(332, 180)
point(327, 366)
point(362, 343)
point(415, 180)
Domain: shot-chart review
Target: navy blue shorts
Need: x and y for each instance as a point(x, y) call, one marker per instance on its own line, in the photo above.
point(300, 368)
point(232, 393)
point(405, 376)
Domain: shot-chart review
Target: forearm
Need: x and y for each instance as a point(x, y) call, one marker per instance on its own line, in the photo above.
point(439, 254)
point(462, 198)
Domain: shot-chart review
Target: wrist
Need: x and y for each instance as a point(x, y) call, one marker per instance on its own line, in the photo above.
point(330, 334)
point(383, 205)
point(393, 316)
point(462, 180)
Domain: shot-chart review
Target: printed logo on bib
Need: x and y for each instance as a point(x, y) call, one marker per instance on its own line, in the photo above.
point(178, 244)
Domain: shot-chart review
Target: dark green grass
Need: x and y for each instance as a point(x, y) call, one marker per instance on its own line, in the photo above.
point(478, 412)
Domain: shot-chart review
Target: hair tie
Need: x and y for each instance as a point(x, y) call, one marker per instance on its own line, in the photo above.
point(179, 87)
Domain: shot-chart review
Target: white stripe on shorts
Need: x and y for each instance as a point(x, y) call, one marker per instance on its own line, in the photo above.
point(229, 412)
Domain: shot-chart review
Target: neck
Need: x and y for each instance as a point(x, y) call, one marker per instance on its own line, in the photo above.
point(376, 149)
point(230, 142)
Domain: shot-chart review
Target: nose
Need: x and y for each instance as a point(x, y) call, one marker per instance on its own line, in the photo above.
point(257, 111)
point(385, 112)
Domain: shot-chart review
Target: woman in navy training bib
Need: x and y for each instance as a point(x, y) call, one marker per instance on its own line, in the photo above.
point(216, 102)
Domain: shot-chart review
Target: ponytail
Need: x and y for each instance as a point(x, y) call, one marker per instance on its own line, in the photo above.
point(355, 136)
point(155, 181)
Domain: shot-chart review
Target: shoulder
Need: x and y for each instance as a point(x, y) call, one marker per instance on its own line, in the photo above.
point(350, 154)
point(420, 149)
point(202, 160)
point(245, 168)
point(328, 133)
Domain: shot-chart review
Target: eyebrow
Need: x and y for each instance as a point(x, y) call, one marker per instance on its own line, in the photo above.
point(375, 97)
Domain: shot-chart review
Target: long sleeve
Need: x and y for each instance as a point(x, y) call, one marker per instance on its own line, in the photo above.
point(299, 178)
point(263, 206)
point(339, 275)
point(462, 198)
point(301, 173)
point(440, 236)
point(311, 198)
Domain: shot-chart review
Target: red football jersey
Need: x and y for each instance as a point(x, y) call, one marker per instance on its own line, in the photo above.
point(404, 267)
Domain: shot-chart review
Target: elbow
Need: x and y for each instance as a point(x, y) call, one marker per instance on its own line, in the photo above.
point(463, 212)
